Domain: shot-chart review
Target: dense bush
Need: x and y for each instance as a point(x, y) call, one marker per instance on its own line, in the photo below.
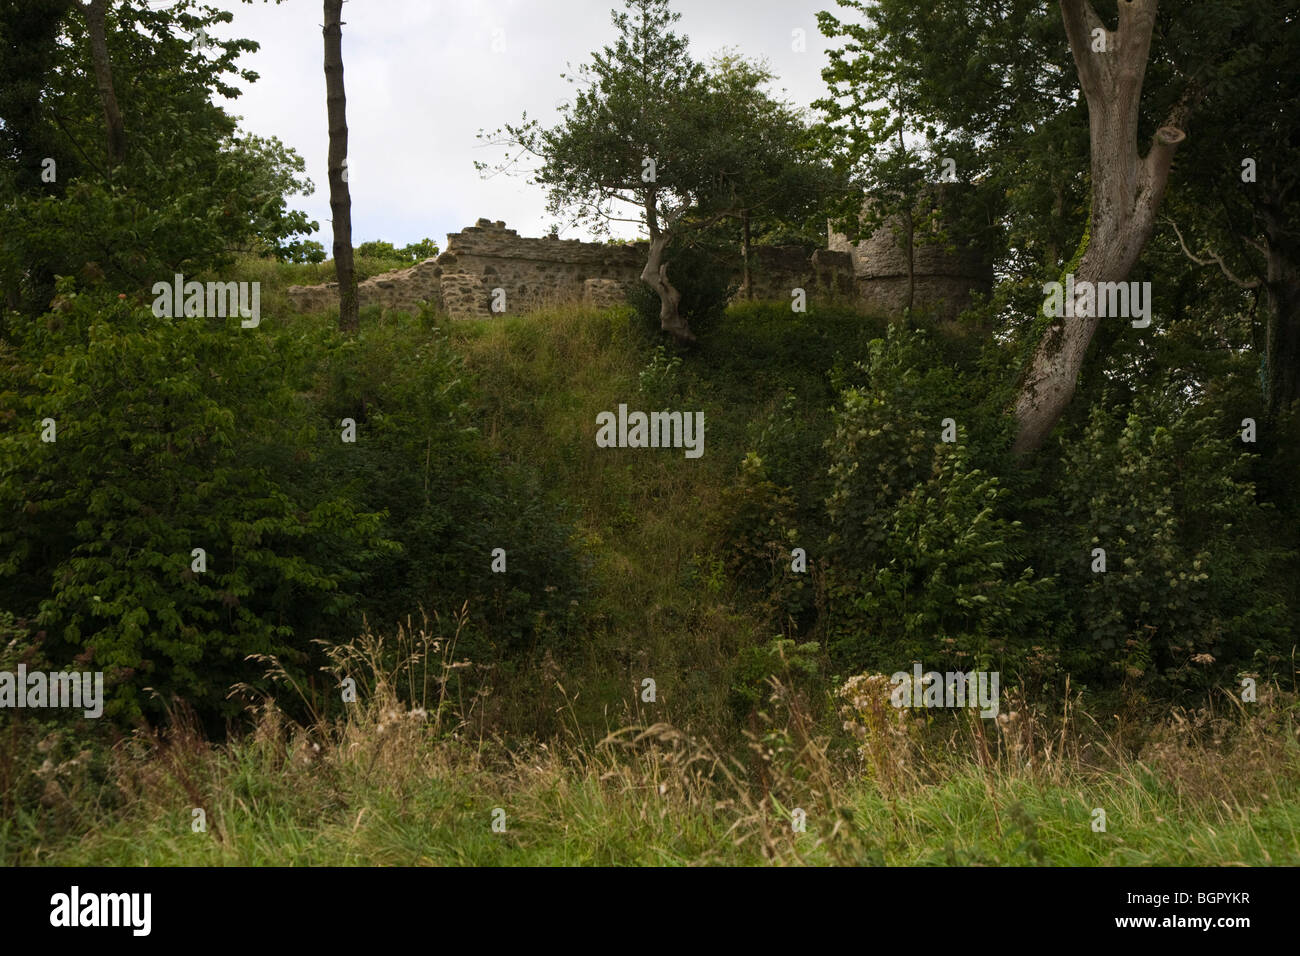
point(421, 461)
point(171, 435)
point(192, 433)
point(1191, 594)
point(925, 563)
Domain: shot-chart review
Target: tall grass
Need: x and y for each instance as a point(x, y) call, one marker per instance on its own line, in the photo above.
point(403, 778)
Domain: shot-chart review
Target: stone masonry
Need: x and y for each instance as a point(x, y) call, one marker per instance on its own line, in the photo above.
point(487, 263)
point(943, 277)
point(485, 257)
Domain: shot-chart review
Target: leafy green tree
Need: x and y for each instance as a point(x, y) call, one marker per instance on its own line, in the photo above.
point(1236, 192)
point(419, 251)
point(190, 193)
point(170, 435)
point(378, 249)
point(771, 172)
point(999, 84)
point(413, 252)
point(646, 132)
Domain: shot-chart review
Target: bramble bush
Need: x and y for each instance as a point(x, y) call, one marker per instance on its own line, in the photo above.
point(925, 563)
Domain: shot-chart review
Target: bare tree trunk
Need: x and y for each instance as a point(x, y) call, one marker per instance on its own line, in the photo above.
point(747, 279)
point(1282, 334)
point(95, 11)
point(909, 212)
point(655, 275)
point(1126, 191)
point(911, 260)
point(340, 198)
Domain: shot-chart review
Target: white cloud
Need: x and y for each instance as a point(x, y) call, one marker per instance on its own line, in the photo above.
point(422, 80)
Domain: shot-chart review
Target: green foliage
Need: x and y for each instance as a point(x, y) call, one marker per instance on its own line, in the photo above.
point(1192, 561)
point(307, 250)
point(408, 254)
point(660, 380)
point(925, 562)
point(798, 666)
point(422, 462)
point(302, 532)
point(419, 251)
point(380, 250)
point(772, 171)
point(757, 521)
point(597, 154)
point(171, 435)
point(192, 191)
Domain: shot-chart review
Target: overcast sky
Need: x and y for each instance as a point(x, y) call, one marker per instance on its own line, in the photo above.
point(422, 79)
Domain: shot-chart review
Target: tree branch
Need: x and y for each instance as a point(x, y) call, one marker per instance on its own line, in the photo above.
point(1214, 259)
point(1080, 20)
point(1165, 142)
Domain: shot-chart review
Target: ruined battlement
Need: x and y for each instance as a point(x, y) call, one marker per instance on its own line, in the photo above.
point(487, 263)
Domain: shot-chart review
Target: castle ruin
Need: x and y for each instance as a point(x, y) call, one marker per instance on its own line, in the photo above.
point(487, 264)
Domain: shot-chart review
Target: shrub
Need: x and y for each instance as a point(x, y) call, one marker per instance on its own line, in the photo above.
point(925, 563)
point(424, 465)
point(760, 532)
point(1190, 592)
point(172, 435)
point(796, 666)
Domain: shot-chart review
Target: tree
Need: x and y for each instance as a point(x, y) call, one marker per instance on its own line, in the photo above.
point(70, 211)
point(774, 171)
point(340, 199)
point(646, 131)
point(992, 83)
point(413, 252)
point(869, 110)
point(95, 10)
point(1236, 195)
point(1126, 191)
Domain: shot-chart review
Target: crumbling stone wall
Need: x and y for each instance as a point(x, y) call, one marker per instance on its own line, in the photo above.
point(943, 278)
point(531, 272)
point(487, 256)
point(776, 271)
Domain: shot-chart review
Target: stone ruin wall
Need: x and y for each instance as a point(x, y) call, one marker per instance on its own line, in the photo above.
point(943, 278)
point(488, 256)
point(775, 271)
point(535, 272)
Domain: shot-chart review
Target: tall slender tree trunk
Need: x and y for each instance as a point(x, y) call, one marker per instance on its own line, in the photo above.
point(747, 278)
point(95, 12)
point(1282, 332)
point(655, 275)
point(910, 217)
point(340, 198)
point(909, 233)
point(1126, 192)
